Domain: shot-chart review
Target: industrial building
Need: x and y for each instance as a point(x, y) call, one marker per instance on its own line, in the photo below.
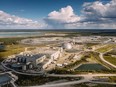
point(27, 59)
point(34, 60)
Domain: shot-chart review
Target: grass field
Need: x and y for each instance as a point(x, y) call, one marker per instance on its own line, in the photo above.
point(106, 48)
point(10, 41)
point(113, 79)
point(110, 59)
point(12, 46)
point(11, 49)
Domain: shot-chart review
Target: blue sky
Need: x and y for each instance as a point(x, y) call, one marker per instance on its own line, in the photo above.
point(39, 10)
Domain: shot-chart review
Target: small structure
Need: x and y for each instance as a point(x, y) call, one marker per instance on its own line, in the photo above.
point(67, 46)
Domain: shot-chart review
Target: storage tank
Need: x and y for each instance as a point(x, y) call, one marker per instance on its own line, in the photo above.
point(23, 60)
point(19, 59)
point(30, 66)
point(24, 67)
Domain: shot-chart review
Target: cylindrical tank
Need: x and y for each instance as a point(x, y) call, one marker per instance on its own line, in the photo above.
point(30, 66)
point(19, 59)
point(23, 60)
point(24, 67)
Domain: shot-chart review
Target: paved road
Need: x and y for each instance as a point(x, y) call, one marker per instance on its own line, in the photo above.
point(102, 58)
point(86, 78)
point(80, 75)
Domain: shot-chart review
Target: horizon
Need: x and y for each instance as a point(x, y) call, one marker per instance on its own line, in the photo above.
point(33, 30)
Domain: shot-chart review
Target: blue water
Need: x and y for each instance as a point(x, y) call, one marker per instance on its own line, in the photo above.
point(19, 34)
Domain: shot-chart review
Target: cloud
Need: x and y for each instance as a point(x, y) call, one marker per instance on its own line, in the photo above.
point(12, 21)
point(94, 15)
point(99, 14)
point(97, 11)
point(62, 17)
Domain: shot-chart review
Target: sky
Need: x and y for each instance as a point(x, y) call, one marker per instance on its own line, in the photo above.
point(57, 14)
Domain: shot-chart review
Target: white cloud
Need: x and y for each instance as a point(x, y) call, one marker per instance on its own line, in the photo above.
point(94, 15)
point(98, 11)
point(63, 16)
point(12, 21)
point(99, 14)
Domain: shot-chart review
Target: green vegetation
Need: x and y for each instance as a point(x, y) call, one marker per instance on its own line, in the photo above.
point(10, 41)
point(93, 85)
point(31, 48)
point(91, 55)
point(113, 52)
point(91, 44)
point(11, 49)
point(11, 46)
point(110, 59)
point(33, 80)
point(112, 79)
point(88, 57)
point(62, 71)
point(106, 48)
point(24, 80)
point(65, 71)
point(96, 57)
point(14, 49)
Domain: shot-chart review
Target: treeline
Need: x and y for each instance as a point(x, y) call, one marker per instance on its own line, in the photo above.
point(25, 80)
point(9, 41)
point(65, 71)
